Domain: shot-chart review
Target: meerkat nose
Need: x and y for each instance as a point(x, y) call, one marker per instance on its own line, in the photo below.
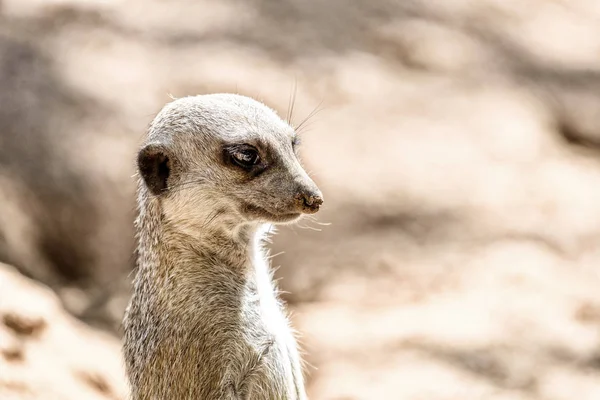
point(309, 202)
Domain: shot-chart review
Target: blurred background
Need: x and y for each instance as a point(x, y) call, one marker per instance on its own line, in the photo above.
point(456, 142)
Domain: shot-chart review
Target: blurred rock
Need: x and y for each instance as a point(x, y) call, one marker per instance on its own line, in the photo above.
point(47, 354)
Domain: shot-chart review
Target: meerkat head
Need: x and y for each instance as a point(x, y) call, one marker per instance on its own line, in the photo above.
point(225, 156)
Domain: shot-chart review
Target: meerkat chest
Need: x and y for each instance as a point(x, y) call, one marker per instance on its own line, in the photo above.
point(270, 357)
point(229, 334)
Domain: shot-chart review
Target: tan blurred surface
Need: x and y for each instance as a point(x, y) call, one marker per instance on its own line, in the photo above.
point(457, 147)
point(46, 353)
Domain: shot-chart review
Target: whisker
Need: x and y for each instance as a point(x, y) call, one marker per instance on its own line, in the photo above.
point(314, 112)
point(187, 183)
point(308, 227)
point(314, 220)
point(199, 180)
point(322, 223)
point(184, 185)
point(304, 129)
point(293, 102)
point(289, 105)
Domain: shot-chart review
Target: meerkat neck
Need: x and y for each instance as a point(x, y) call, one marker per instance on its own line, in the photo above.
point(194, 295)
point(163, 246)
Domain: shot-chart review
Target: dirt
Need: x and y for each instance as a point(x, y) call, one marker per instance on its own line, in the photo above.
point(457, 144)
point(46, 353)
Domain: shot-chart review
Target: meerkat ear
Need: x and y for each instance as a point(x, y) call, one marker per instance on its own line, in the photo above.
point(154, 164)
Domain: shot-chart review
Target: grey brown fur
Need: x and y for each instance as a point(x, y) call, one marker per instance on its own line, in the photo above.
point(204, 321)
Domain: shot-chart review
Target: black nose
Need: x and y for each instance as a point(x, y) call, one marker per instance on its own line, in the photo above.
point(309, 203)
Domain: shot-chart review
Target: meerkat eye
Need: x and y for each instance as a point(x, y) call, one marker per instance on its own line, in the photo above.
point(245, 157)
point(295, 141)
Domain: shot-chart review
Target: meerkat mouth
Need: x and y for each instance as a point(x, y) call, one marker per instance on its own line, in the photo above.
point(262, 213)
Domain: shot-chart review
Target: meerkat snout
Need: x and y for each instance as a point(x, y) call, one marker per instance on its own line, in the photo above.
point(309, 202)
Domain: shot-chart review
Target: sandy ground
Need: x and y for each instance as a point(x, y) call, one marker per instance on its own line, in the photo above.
point(48, 354)
point(457, 145)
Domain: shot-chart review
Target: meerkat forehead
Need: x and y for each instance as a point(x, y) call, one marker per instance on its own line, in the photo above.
point(225, 116)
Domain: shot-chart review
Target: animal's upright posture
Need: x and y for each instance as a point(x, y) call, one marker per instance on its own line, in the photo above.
point(204, 321)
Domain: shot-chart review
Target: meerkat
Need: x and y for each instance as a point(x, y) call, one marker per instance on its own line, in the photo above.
point(216, 172)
